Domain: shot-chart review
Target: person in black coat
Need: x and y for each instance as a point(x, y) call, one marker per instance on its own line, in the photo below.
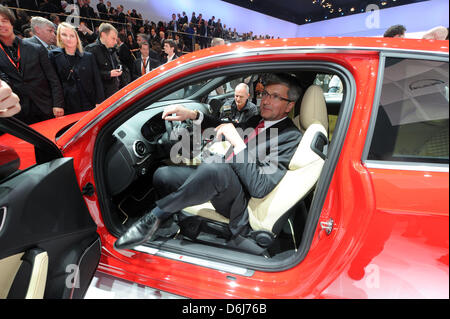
point(108, 65)
point(77, 71)
point(26, 68)
point(251, 169)
point(102, 10)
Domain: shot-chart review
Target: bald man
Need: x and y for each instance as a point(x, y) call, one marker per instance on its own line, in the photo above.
point(239, 109)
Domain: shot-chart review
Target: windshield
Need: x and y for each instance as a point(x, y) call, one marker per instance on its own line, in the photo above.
point(187, 91)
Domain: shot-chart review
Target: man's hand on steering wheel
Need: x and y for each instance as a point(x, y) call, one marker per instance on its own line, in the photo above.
point(178, 112)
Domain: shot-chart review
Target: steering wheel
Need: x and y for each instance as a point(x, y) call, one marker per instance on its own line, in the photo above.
point(178, 132)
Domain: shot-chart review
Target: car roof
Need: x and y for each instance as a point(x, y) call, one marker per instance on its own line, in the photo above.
point(359, 43)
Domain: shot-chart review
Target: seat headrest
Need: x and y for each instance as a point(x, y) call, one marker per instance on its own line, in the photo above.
point(313, 109)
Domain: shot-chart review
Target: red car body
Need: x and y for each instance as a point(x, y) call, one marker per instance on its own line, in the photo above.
point(391, 227)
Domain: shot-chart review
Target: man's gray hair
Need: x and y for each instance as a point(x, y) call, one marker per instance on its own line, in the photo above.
point(40, 22)
point(295, 91)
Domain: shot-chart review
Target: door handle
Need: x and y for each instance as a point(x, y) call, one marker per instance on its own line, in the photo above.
point(3, 212)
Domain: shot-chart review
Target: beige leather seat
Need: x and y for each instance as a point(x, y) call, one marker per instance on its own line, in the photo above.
point(304, 170)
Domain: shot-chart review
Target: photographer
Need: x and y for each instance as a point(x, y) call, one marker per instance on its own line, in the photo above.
point(77, 71)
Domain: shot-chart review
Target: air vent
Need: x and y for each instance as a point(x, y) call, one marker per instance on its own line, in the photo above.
point(140, 149)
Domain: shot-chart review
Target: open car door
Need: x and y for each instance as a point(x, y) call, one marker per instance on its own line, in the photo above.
point(49, 246)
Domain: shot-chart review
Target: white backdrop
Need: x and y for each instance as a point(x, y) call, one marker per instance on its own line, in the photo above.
point(417, 17)
point(233, 16)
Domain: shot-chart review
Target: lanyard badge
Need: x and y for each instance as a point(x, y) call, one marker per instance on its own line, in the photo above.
point(15, 64)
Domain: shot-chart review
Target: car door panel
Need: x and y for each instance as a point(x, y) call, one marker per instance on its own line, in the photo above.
point(46, 218)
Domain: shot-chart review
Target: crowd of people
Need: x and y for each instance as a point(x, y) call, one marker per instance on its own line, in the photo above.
point(63, 57)
point(76, 56)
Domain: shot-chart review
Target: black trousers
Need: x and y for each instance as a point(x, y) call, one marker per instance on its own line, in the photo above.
point(181, 187)
point(31, 114)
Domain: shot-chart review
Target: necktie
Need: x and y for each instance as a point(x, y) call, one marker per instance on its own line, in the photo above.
point(255, 132)
point(144, 69)
point(252, 135)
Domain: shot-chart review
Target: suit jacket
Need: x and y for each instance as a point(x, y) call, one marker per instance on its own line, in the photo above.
point(125, 56)
point(137, 67)
point(83, 82)
point(261, 166)
point(36, 82)
point(164, 59)
point(106, 62)
point(35, 40)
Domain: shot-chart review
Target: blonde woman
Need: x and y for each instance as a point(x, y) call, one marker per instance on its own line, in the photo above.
point(77, 71)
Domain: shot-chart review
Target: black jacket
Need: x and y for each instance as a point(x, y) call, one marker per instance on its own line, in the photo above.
point(164, 58)
point(105, 62)
point(36, 82)
point(80, 83)
point(230, 113)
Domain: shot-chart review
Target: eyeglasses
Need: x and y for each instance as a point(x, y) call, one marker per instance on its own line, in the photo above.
point(274, 96)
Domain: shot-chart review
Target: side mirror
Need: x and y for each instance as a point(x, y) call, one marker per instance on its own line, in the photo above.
point(9, 161)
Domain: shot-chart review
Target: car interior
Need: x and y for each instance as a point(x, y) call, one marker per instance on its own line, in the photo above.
point(144, 142)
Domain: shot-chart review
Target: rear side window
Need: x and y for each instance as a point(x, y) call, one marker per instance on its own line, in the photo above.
point(412, 119)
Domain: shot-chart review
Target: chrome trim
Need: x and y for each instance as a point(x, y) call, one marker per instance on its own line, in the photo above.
point(3, 212)
point(236, 53)
point(196, 261)
point(327, 226)
point(134, 149)
point(408, 166)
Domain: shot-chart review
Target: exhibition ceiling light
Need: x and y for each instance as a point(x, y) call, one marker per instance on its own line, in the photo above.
point(332, 7)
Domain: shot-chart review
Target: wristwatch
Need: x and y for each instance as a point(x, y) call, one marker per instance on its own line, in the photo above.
point(197, 116)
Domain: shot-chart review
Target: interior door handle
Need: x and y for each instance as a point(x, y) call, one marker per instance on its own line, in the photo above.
point(31, 278)
point(3, 212)
point(38, 258)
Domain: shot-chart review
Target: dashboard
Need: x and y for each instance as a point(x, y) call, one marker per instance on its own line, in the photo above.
point(138, 143)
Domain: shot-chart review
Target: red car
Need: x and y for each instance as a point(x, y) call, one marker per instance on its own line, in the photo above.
point(363, 211)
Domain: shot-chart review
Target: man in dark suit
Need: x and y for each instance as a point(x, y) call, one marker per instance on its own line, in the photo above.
point(173, 24)
point(246, 173)
point(143, 38)
point(106, 61)
point(44, 33)
point(144, 63)
point(27, 69)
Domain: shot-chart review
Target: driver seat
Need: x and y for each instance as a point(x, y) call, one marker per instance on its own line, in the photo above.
point(268, 215)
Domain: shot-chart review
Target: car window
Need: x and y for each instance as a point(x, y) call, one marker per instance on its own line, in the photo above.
point(333, 91)
point(413, 116)
point(185, 92)
point(330, 83)
point(223, 89)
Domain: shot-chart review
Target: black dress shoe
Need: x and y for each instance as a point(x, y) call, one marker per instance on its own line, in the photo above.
point(140, 232)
